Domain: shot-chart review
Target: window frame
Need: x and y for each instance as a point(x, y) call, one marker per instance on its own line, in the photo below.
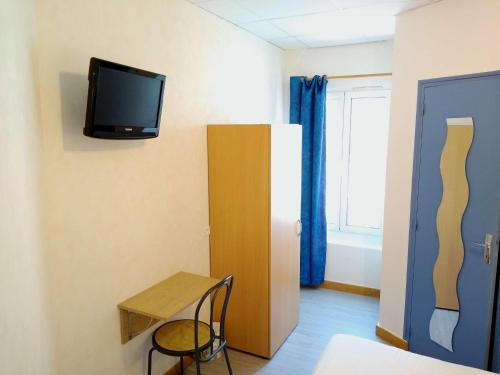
point(341, 196)
point(332, 95)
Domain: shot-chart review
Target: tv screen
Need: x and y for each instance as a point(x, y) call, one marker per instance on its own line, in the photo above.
point(123, 102)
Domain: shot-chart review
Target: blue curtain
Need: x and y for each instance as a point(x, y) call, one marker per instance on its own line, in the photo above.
point(308, 108)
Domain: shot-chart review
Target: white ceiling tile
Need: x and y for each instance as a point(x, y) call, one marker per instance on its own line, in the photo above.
point(299, 25)
point(229, 10)
point(317, 42)
point(288, 43)
point(396, 5)
point(341, 25)
point(267, 9)
point(352, 4)
point(378, 38)
point(292, 24)
point(412, 4)
point(264, 29)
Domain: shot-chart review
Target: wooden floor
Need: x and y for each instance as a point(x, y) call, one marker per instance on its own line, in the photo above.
point(323, 313)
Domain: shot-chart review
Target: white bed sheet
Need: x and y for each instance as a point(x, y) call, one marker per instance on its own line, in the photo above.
point(349, 355)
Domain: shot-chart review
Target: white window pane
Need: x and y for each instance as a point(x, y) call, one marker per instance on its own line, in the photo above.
point(334, 125)
point(369, 119)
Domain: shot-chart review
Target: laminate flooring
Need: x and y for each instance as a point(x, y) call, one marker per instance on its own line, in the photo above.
point(323, 313)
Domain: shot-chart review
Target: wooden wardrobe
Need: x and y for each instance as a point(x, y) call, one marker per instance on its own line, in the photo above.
point(254, 195)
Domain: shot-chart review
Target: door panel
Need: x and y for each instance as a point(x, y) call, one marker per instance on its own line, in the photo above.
point(479, 98)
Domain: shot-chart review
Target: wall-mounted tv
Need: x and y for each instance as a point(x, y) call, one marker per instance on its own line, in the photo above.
point(123, 102)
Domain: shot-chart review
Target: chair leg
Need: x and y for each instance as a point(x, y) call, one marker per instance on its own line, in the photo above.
point(227, 361)
point(198, 368)
point(150, 355)
point(181, 364)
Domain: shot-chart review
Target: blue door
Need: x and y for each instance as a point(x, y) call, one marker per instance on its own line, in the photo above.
point(468, 325)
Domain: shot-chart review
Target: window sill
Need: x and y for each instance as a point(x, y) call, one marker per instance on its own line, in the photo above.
point(365, 241)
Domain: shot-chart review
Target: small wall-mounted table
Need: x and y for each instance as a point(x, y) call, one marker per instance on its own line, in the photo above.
point(161, 302)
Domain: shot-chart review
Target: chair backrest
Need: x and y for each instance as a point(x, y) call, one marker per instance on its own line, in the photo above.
point(224, 285)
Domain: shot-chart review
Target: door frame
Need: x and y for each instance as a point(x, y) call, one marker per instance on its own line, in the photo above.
point(422, 86)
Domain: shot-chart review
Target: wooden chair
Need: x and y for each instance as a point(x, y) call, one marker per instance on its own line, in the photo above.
point(188, 337)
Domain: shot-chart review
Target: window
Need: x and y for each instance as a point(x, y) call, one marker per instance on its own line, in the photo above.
point(357, 131)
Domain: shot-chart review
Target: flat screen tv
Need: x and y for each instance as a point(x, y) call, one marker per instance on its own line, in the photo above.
point(123, 102)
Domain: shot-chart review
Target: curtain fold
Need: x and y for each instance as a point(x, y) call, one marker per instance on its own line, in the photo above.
point(308, 108)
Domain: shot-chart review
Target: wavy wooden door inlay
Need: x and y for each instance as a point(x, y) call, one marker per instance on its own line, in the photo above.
point(450, 213)
point(449, 227)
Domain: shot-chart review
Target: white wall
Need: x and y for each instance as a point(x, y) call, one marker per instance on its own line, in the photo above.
point(117, 216)
point(25, 345)
point(448, 38)
point(351, 263)
point(345, 263)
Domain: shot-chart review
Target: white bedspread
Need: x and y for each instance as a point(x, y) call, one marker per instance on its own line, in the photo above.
point(349, 355)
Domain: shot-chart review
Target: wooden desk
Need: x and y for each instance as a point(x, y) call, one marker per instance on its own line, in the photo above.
point(161, 302)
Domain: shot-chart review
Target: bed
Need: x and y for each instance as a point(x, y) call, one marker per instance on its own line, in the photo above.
point(349, 355)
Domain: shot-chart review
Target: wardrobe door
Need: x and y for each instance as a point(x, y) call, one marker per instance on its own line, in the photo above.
point(238, 171)
point(285, 229)
point(455, 220)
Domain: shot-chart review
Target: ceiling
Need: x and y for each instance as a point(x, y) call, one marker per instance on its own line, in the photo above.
point(293, 24)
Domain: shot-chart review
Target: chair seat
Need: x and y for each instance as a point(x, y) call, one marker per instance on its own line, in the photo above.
point(178, 336)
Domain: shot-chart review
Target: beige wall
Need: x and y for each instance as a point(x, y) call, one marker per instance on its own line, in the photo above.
point(342, 60)
point(118, 216)
point(448, 38)
point(25, 346)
